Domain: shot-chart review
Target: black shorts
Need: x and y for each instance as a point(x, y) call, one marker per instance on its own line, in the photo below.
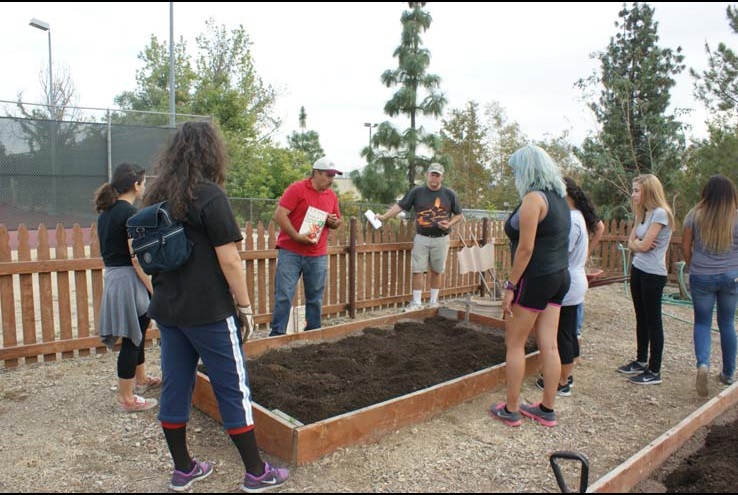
point(535, 293)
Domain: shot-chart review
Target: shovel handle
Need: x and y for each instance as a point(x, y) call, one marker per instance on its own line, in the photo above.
point(575, 456)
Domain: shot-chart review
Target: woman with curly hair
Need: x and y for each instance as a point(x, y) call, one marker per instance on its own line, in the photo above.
point(201, 306)
point(584, 221)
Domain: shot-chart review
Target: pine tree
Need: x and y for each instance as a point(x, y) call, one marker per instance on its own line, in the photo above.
point(394, 151)
point(636, 134)
point(306, 141)
point(717, 87)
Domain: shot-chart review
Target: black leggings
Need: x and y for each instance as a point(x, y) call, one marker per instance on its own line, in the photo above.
point(646, 290)
point(132, 355)
point(567, 335)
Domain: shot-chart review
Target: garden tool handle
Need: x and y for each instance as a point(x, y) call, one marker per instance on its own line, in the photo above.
point(575, 456)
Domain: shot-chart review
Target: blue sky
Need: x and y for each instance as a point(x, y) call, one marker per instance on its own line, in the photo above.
point(329, 56)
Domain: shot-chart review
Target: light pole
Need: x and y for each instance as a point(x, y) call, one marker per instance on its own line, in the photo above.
point(370, 126)
point(44, 26)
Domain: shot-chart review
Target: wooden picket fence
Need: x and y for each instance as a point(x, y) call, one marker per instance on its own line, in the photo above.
point(50, 291)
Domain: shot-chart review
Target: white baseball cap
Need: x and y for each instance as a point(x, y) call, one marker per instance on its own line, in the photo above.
point(327, 165)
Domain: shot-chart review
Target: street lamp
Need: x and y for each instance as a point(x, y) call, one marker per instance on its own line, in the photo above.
point(370, 126)
point(44, 26)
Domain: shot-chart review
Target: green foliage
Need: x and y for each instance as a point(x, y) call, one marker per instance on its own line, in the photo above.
point(265, 172)
point(463, 141)
point(503, 139)
point(717, 87)
point(225, 85)
point(418, 95)
point(716, 155)
point(637, 135)
point(480, 147)
point(381, 181)
point(152, 91)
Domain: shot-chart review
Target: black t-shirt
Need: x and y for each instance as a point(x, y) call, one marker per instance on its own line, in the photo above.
point(111, 231)
point(551, 245)
point(197, 293)
point(430, 208)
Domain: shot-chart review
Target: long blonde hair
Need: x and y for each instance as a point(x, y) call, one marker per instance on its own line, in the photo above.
point(652, 197)
point(715, 214)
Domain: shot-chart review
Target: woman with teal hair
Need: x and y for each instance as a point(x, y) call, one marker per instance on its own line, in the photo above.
point(538, 230)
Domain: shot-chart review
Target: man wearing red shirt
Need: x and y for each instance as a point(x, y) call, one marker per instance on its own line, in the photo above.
point(304, 210)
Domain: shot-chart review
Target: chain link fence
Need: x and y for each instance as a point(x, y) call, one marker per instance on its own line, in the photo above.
point(50, 169)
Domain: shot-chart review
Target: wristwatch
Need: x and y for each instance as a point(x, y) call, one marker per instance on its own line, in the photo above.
point(509, 286)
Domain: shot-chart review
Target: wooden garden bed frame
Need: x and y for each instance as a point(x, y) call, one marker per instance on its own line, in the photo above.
point(641, 465)
point(299, 444)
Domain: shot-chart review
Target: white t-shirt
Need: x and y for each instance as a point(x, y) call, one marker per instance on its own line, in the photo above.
point(578, 248)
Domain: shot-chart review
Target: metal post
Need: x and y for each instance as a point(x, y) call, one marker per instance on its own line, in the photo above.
point(110, 148)
point(172, 117)
point(44, 26)
point(51, 81)
point(52, 111)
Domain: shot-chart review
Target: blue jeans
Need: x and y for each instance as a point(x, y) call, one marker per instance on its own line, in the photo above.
point(580, 318)
point(706, 290)
point(290, 266)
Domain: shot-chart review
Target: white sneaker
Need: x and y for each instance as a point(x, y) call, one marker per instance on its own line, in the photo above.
point(412, 306)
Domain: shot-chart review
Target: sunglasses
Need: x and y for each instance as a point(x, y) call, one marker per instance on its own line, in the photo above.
point(330, 174)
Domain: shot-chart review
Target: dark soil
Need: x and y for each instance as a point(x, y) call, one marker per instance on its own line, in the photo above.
point(713, 468)
point(318, 381)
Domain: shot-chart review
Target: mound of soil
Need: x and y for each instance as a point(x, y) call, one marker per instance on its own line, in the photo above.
point(318, 381)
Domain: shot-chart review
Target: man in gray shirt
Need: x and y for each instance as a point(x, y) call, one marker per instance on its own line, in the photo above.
point(437, 209)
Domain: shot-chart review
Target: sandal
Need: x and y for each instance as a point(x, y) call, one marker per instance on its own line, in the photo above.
point(151, 382)
point(138, 404)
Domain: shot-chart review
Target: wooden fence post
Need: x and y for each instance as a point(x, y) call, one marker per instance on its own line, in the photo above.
point(353, 225)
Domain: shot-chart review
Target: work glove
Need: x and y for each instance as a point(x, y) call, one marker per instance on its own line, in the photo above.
point(246, 318)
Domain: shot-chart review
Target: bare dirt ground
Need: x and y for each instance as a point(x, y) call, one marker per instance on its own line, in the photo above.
point(60, 431)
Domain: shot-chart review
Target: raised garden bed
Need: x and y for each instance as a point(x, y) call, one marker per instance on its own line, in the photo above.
point(305, 429)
